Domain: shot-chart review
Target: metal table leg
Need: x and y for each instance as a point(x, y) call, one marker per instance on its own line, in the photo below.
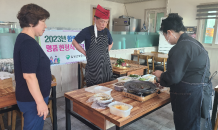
point(54, 108)
point(132, 56)
point(119, 128)
point(145, 71)
point(79, 78)
point(67, 112)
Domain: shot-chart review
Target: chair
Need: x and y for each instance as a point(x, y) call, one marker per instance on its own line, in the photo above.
point(15, 112)
point(82, 67)
point(2, 122)
point(158, 59)
point(1, 119)
point(10, 84)
point(146, 57)
point(157, 52)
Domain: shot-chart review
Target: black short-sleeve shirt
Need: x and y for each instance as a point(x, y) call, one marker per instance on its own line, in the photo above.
point(30, 58)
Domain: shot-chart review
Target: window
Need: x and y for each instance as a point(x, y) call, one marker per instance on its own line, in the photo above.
point(207, 16)
point(153, 19)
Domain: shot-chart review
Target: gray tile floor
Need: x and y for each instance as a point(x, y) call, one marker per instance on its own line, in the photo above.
point(161, 119)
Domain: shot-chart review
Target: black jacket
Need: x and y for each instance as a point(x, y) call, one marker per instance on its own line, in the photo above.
point(186, 62)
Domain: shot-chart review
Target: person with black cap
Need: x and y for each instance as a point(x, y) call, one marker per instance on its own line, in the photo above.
point(98, 42)
point(187, 75)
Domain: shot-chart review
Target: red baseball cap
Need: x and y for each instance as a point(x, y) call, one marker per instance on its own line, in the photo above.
point(102, 13)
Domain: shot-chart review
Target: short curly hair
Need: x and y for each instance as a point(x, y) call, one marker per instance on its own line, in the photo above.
point(172, 22)
point(31, 14)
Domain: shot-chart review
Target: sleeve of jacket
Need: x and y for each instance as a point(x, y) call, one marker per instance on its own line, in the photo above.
point(177, 64)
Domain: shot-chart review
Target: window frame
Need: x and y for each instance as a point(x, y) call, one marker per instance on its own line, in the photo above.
point(156, 10)
point(200, 33)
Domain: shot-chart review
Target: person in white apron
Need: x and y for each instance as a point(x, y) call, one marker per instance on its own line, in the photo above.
point(98, 42)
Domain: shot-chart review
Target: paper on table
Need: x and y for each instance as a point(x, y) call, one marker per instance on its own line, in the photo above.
point(7, 75)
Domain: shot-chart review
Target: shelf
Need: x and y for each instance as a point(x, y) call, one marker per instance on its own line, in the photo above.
point(7, 23)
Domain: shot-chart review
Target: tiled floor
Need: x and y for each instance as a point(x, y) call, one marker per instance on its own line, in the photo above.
point(161, 119)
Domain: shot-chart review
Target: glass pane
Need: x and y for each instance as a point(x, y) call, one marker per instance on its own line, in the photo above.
point(159, 16)
point(152, 22)
point(7, 41)
point(134, 40)
point(209, 29)
point(216, 42)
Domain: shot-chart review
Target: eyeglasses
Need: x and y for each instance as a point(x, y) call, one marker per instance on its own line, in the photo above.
point(102, 22)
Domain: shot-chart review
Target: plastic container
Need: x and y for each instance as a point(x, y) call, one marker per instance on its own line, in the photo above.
point(118, 112)
point(124, 79)
point(148, 77)
point(105, 101)
point(118, 88)
point(102, 89)
point(134, 78)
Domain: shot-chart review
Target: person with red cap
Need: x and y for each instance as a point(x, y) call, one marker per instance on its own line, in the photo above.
point(98, 42)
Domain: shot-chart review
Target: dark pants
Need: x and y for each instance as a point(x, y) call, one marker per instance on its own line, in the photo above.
point(31, 120)
point(186, 104)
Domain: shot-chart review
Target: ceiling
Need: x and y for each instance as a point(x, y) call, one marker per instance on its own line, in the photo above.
point(127, 1)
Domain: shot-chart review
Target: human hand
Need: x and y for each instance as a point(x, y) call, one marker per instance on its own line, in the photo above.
point(42, 109)
point(157, 73)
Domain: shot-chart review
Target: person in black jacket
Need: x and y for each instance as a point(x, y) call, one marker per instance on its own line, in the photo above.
point(188, 71)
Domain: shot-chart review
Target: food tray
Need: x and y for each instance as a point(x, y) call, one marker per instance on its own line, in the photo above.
point(140, 98)
point(140, 87)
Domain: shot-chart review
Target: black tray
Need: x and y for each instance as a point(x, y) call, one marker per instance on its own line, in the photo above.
point(140, 87)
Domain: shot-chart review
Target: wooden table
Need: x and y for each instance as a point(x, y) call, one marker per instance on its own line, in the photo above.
point(7, 98)
point(134, 69)
point(86, 114)
point(123, 72)
point(151, 54)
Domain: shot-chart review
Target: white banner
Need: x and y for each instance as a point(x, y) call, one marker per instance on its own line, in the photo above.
point(58, 47)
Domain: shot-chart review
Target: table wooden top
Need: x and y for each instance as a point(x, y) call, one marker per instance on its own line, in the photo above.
point(133, 67)
point(7, 96)
point(139, 108)
point(153, 54)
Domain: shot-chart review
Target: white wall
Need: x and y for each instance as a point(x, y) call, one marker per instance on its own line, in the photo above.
point(137, 10)
point(187, 9)
point(64, 13)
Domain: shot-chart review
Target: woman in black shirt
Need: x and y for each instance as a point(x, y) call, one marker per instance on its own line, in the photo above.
point(187, 75)
point(32, 68)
